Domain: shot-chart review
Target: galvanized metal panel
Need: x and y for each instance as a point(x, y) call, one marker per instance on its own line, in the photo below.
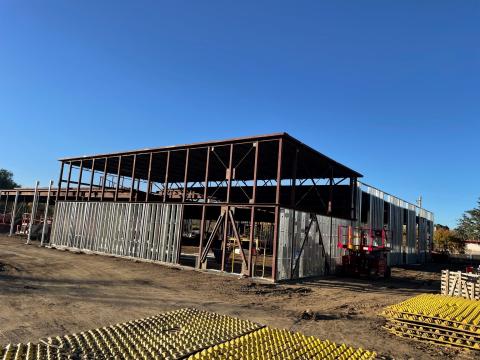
point(412, 257)
point(396, 235)
point(320, 251)
point(148, 231)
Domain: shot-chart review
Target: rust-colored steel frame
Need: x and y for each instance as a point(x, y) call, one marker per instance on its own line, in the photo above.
point(270, 171)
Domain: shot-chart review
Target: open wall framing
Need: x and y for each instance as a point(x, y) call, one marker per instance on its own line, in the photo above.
point(148, 231)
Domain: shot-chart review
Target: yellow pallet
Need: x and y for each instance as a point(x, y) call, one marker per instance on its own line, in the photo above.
point(436, 318)
point(268, 343)
point(447, 311)
point(173, 335)
point(458, 334)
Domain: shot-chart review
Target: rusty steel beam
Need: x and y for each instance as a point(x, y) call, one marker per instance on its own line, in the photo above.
point(79, 180)
point(133, 176)
point(149, 181)
point(68, 179)
point(185, 178)
point(277, 210)
point(117, 187)
point(104, 178)
point(60, 180)
point(229, 173)
point(165, 187)
point(92, 175)
point(252, 211)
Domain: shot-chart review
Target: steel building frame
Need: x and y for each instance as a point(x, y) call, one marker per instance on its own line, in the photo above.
point(244, 179)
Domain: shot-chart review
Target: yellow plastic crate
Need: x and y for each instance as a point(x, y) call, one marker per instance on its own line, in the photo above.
point(268, 343)
point(439, 319)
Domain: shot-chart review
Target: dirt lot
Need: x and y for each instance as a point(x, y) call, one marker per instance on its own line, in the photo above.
point(46, 292)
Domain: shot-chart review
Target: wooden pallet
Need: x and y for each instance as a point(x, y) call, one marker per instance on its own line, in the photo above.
point(456, 283)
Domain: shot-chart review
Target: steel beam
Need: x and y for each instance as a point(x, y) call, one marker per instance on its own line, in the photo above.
point(104, 178)
point(33, 212)
point(92, 175)
point(132, 186)
point(14, 211)
point(79, 180)
point(277, 210)
point(165, 187)
point(149, 181)
point(68, 179)
point(117, 187)
point(46, 213)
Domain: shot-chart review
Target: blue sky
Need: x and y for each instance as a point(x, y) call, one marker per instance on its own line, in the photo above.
point(391, 89)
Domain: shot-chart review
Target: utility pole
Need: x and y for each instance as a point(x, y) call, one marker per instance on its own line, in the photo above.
point(419, 201)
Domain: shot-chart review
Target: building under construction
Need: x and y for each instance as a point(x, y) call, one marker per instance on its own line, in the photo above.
point(264, 206)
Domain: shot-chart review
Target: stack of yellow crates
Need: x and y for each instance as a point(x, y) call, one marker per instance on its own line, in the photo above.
point(172, 335)
point(438, 319)
point(183, 334)
point(268, 343)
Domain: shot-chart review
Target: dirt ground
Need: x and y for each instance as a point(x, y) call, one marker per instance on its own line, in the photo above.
point(46, 292)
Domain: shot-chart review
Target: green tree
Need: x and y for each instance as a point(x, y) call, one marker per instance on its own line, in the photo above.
point(6, 180)
point(469, 224)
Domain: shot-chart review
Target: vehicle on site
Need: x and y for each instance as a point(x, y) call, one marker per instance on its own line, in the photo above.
point(366, 251)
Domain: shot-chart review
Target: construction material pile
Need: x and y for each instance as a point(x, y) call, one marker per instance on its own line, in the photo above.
point(268, 343)
point(438, 319)
point(183, 334)
point(457, 283)
point(173, 335)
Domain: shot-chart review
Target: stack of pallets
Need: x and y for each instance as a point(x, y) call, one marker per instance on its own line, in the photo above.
point(268, 343)
point(438, 319)
point(183, 334)
point(172, 335)
point(457, 283)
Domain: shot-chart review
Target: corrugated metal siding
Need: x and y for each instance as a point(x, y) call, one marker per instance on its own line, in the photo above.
point(147, 231)
point(375, 219)
point(396, 235)
point(422, 240)
point(411, 237)
point(320, 242)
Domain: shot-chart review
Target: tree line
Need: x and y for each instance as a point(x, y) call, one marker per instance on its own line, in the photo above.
point(468, 229)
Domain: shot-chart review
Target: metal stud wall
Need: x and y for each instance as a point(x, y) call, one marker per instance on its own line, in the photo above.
point(411, 237)
point(148, 231)
point(312, 239)
point(396, 235)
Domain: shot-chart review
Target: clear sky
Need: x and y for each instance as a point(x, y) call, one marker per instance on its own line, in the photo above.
point(389, 88)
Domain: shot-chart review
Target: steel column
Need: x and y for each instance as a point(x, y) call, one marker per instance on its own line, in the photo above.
point(60, 181)
point(149, 183)
point(118, 176)
point(185, 178)
point(14, 211)
point(165, 186)
point(229, 173)
point(34, 210)
point(46, 212)
point(5, 208)
point(104, 178)
point(92, 175)
point(204, 209)
point(68, 179)
point(252, 211)
point(277, 210)
point(132, 186)
point(79, 180)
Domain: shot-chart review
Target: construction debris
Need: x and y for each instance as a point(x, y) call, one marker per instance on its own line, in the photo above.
point(438, 319)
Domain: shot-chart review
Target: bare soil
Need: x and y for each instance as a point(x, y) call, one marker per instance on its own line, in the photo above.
point(46, 292)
